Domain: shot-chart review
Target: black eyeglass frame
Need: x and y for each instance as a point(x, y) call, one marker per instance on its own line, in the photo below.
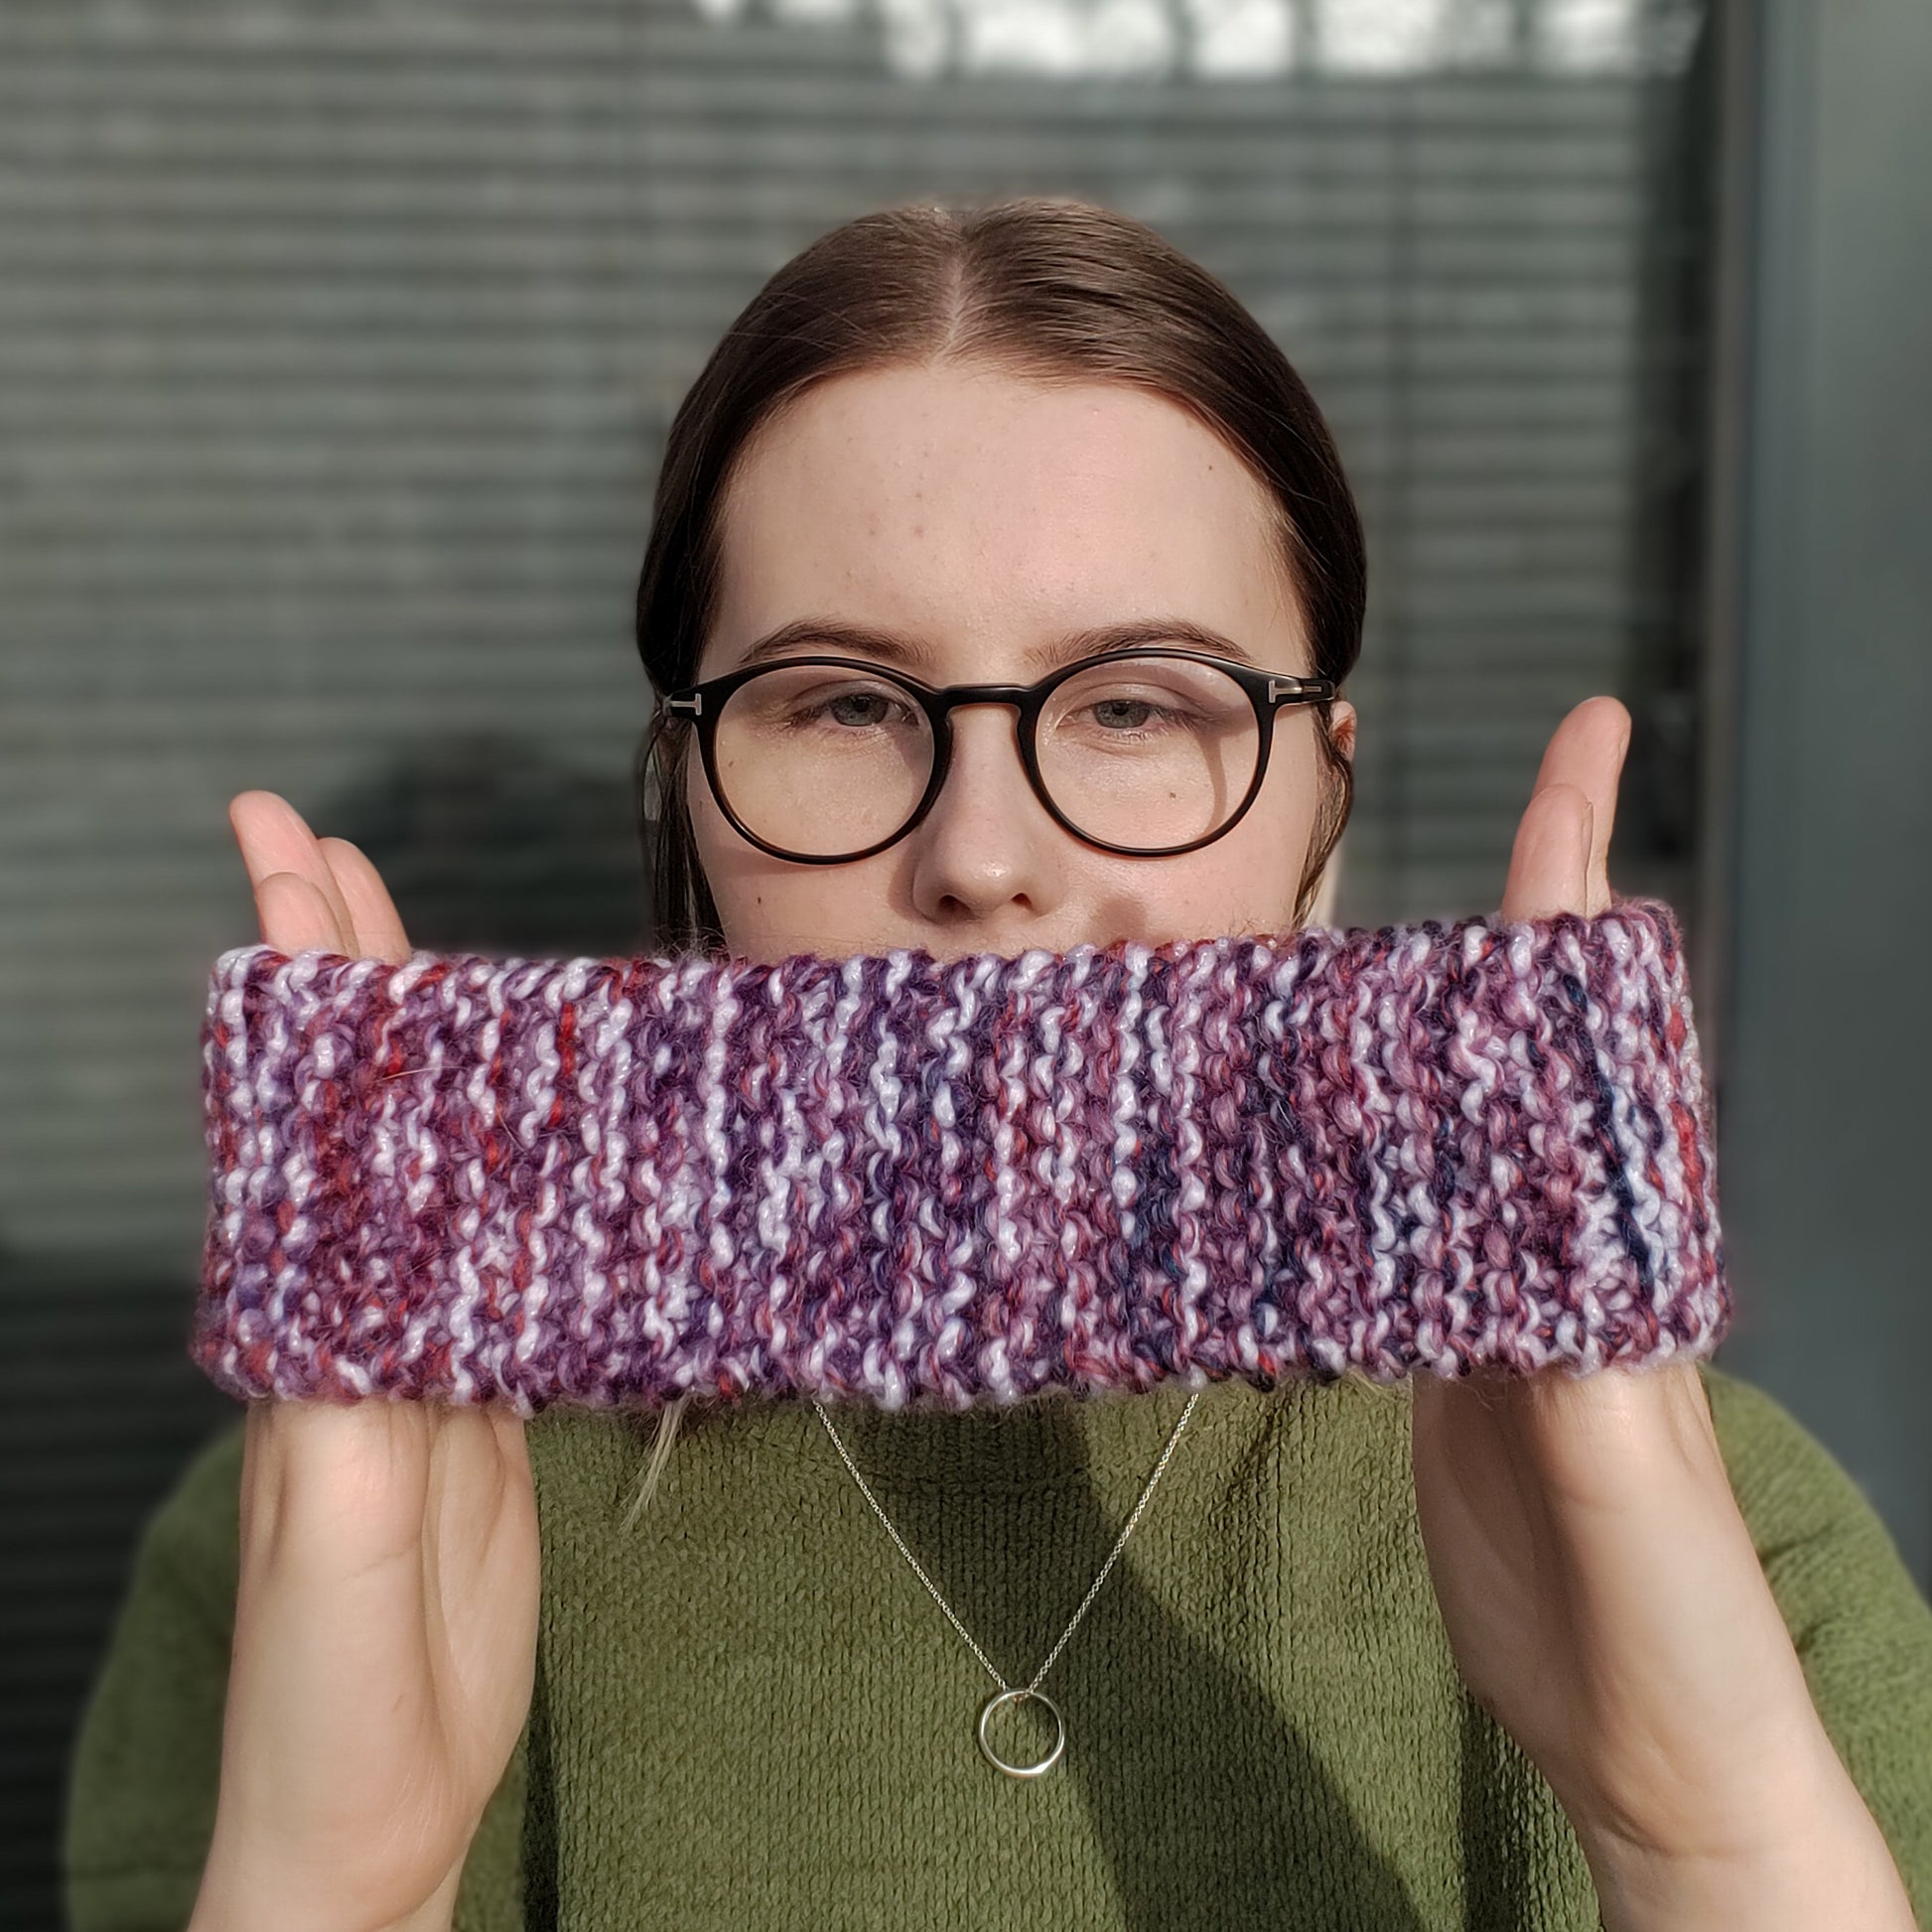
point(1266, 691)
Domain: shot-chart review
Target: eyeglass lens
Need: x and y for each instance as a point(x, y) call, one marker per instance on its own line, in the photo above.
point(1144, 752)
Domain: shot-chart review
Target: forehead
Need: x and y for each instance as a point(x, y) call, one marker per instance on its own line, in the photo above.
point(984, 511)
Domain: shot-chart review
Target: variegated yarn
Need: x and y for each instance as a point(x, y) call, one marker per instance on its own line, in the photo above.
point(1435, 1146)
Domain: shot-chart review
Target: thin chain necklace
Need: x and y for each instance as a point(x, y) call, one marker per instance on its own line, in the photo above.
point(1006, 1694)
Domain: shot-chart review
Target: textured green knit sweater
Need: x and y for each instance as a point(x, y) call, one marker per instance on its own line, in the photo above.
point(748, 1713)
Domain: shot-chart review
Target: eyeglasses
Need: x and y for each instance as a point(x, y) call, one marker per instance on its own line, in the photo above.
point(1147, 751)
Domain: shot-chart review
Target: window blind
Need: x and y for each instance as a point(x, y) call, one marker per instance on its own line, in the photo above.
point(337, 348)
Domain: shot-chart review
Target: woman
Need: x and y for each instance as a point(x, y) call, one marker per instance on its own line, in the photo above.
point(1501, 1654)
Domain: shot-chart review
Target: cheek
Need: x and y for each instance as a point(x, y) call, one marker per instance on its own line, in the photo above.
point(1289, 792)
point(1248, 880)
point(1273, 841)
point(715, 838)
point(761, 900)
point(721, 853)
point(698, 806)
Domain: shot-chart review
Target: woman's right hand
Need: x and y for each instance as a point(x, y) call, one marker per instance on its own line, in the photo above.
point(385, 1623)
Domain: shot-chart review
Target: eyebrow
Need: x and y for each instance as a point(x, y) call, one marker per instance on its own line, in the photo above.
point(828, 633)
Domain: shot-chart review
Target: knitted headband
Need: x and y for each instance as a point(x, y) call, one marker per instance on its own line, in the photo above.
point(888, 1179)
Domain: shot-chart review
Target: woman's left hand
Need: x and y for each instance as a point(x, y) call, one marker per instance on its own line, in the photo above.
point(1598, 1584)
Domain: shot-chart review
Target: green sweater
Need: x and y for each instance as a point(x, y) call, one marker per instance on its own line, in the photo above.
point(749, 1711)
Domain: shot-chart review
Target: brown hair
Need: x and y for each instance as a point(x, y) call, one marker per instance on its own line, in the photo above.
point(1049, 289)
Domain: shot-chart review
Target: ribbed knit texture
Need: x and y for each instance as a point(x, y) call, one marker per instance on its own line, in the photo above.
point(901, 1182)
point(749, 1714)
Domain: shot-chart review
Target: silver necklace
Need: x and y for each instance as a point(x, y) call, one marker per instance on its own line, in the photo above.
point(1006, 1692)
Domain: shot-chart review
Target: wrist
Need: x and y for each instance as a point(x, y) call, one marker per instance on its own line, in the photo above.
point(436, 1914)
point(231, 1902)
point(1817, 1858)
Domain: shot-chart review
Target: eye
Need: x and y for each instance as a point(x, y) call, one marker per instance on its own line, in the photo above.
point(864, 710)
point(1107, 711)
point(809, 699)
point(843, 707)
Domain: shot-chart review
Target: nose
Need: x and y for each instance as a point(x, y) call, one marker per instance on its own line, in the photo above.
point(988, 843)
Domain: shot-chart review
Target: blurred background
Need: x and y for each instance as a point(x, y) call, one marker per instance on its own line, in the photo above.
point(336, 348)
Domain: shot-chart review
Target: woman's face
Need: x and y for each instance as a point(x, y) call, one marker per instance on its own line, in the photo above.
point(980, 516)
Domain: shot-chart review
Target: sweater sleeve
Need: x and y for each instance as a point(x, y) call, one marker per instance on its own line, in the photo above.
point(146, 1761)
point(1861, 1626)
point(145, 1769)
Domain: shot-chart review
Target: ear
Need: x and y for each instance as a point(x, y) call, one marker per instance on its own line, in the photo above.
point(1341, 718)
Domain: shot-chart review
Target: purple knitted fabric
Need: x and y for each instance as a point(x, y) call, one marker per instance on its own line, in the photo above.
point(888, 1179)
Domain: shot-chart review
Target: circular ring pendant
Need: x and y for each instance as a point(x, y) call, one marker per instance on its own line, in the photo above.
point(1047, 1763)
